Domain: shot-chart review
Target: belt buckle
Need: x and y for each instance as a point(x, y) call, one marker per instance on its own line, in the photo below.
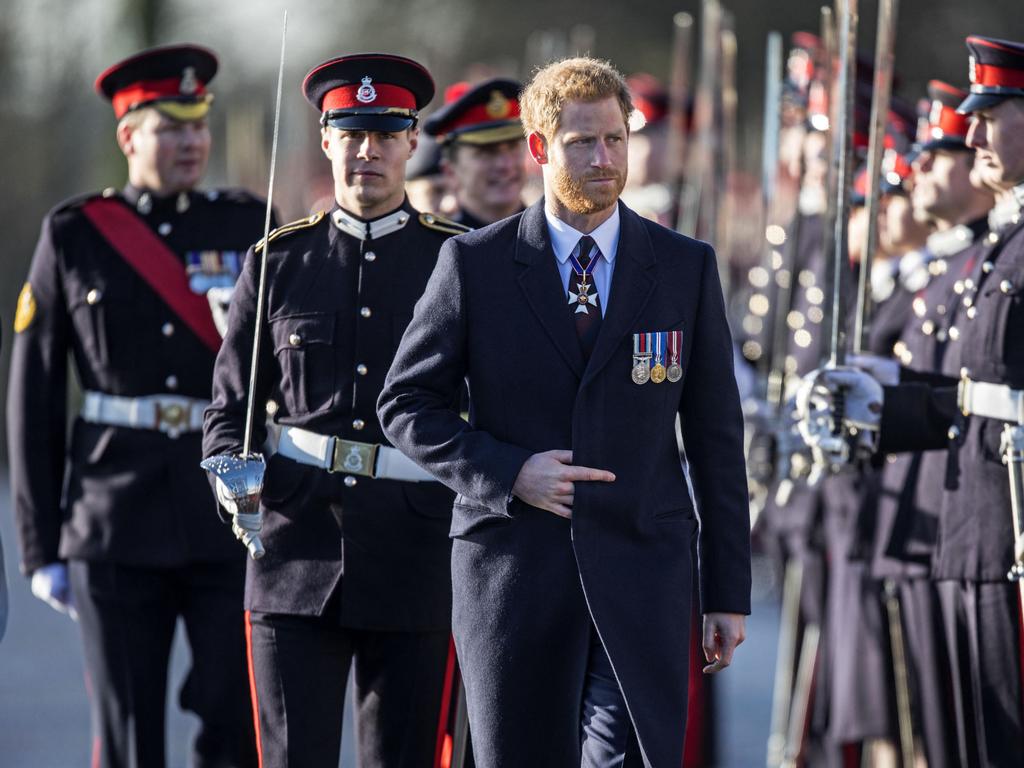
point(354, 458)
point(172, 418)
point(963, 391)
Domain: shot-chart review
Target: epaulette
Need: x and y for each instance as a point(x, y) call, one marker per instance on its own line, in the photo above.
point(78, 200)
point(294, 226)
point(442, 224)
point(235, 195)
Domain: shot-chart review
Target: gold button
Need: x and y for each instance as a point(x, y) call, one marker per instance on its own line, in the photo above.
point(987, 266)
point(954, 333)
point(965, 372)
point(350, 481)
point(164, 229)
point(272, 407)
point(171, 382)
point(968, 301)
point(94, 296)
point(365, 312)
point(167, 329)
point(370, 256)
point(295, 339)
point(972, 312)
point(927, 327)
point(1005, 286)
point(958, 287)
point(361, 369)
point(358, 424)
point(953, 433)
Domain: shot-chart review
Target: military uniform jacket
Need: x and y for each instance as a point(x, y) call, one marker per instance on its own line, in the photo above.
point(337, 306)
point(131, 496)
point(495, 312)
point(975, 541)
point(912, 484)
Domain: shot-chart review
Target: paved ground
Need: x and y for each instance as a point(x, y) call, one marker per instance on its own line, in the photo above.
point(44, 718)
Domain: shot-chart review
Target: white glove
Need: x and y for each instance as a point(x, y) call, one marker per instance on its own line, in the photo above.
point(839, 409)
point(50, 584)
point(885, 370)
point(220, 301)
point(245, 527)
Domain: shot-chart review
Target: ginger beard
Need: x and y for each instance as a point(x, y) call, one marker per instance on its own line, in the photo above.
point(574, 194)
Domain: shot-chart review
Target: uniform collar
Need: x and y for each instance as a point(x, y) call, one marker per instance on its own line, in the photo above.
point(948, 242)
point(145, 202)
point(564, 238)
point(362, 229)
point(1007, 212)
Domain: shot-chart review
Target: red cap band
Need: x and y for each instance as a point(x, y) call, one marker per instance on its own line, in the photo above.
point(944, 121)
point(482, 114)
point(368, 95)
point(988, 75)
point(150, 90)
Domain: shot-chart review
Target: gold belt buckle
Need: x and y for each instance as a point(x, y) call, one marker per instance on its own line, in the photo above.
point(172, 418)
point(354, 458)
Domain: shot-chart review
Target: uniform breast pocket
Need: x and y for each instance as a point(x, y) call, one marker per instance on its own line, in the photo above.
point(304, 347)
point(107, 320)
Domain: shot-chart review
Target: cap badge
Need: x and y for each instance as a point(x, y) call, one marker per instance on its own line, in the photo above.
point(189, 83)
point(973, 68)
point(366, 93)
point(498, 106)
point(936, 114)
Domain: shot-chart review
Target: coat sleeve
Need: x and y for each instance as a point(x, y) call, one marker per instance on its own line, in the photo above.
point(916, 416)
point(712, 428)
point(415, 406)
point(224, 420)
point(37, 406)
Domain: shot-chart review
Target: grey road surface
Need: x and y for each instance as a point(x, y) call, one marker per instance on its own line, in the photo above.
point(44, 715)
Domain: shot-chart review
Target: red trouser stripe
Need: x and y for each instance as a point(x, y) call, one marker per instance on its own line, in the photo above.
point(442, 756)
point(252, 689)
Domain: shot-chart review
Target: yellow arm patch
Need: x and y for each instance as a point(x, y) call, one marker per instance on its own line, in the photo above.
point(26, 311)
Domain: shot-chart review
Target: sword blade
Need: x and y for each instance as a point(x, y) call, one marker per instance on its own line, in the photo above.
point(257, 335)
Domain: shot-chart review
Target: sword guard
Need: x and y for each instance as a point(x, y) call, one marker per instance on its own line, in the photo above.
point(241, 478)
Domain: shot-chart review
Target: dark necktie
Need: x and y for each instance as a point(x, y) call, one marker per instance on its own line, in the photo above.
point(584, 302)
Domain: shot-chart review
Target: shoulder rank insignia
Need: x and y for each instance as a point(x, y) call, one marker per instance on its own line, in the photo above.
point(443, 224)
point(294, 226)
point(26, 311)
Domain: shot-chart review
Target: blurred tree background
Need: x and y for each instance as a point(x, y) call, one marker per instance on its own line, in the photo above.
point(59, 136)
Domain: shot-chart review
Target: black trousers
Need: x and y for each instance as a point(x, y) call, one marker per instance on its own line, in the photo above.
point(607, 738)
point(127, 617)
point(299, 668)
point(982, 627)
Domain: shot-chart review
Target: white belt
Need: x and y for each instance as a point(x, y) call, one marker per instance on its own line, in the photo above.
point(171, 414)
point(994, 401)
point(353, 458)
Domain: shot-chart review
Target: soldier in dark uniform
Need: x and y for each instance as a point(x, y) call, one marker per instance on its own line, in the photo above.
point(483, 149)
point(356, 570)
point(912, 484)
point(980, 608)
point(119, 281)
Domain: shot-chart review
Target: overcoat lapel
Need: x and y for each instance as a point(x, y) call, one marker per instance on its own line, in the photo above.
point(542, 285)
point(632, 286)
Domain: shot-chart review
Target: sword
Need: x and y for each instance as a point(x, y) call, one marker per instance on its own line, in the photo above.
point(904, 718)
point(884, 43)
point(799, 715)
point(782, 695)
point(1013, 457)
point(242, 475)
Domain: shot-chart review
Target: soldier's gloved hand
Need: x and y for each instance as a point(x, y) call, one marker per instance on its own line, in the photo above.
point(241, 524)
point(839, 412)
point(885, 370)
point(50, 584)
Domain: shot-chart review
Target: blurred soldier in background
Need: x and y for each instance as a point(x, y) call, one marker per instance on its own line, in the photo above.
point(977, 419)
point(119, 281)
point(483, 151)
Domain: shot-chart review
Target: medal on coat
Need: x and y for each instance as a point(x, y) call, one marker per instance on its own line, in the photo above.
point(675, 341)
point(641, 359)
point(583, 299)
point(658, 370)
point(212, 269)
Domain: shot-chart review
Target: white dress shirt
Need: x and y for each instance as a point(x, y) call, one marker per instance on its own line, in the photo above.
point(565, 239)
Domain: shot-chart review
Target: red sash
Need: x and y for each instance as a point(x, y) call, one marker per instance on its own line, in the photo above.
point(155, 263)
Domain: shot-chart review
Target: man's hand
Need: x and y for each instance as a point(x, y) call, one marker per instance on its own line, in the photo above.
point(50, 584)
point(547, 480)
point(722, 633)
point(245, 527)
